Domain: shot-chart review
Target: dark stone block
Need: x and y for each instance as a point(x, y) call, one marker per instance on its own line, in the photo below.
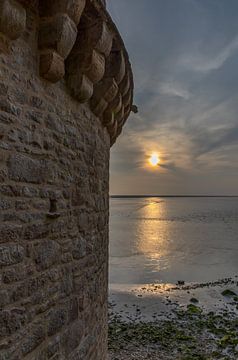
point(57, 318)
point(34, 339)
point(46, 253)
point(26, 169)
point(11, 254)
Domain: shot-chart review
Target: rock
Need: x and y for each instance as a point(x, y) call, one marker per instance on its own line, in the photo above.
point(228, 293)
point(194, 300)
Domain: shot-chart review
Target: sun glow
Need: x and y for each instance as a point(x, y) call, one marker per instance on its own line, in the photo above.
point(154, 159)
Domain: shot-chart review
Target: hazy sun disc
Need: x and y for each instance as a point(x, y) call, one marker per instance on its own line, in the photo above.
point(154, 159)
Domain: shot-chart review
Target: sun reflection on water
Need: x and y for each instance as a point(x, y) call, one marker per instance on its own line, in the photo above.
point(152, 239)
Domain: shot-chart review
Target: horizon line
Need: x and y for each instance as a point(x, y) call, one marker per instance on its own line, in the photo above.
point(151, 195)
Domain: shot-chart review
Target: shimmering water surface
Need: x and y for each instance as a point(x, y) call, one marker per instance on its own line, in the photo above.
point(170, 239)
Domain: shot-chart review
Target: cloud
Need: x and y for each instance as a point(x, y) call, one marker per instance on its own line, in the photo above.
point(174, 89)
point(187, 110)
point(200, 62)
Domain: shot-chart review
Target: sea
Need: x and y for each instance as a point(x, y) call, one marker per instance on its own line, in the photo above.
point(171, 239)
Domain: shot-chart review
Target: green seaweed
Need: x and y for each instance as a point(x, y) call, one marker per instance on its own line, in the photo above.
point(193, 309)
point(228, 293)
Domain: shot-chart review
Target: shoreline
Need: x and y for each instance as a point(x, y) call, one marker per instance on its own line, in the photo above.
point(138, 315)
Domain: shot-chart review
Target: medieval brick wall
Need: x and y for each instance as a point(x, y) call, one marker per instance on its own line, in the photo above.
point(54, 160)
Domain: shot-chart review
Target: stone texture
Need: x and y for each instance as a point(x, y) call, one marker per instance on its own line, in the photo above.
point(11, 254)
point(46, 254)
point(96, 36)
point(55, 149)
point(115, 66)
point(73, 8)
point(81, 86)
point(58, 33)
point(51, 66)
point(92, 65)
point(25, 169)
point(12, 19)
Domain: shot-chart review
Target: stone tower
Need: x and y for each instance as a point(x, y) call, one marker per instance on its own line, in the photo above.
point(66, 90)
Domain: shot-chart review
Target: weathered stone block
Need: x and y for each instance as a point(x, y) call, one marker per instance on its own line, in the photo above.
point(92, 64)
point(119, 118)
point(112, 129)
point(4, 44)
point(10, 232)
point(98, 106)
point(8, 107)
point(46, 253)
point(58, 33)
point(79, 248)
point(115, 66)
point(5, 204)
point(84, 221)
point(12, 19)
point(56, 318)
point(26, 169)
point(107, 88)
point(73, 312)
point(11, 321)
point(96, 37)
point(72, 337)
point(127, 111)
point(51, 66)
point(36, 335)
point(81, 87)
point(3, 89)
point(11, 254)
point(125, 85)
point(4, 298)
point(115, 105)
point(73, 8)
point(108, 118)
point(127, 98)
point(13, 274)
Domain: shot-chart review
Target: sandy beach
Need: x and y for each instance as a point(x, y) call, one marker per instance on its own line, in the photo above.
point(174, 321)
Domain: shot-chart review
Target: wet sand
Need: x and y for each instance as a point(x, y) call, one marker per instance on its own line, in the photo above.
point(143, 320)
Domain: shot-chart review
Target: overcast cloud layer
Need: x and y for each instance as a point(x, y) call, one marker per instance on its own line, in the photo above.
point(184, 55)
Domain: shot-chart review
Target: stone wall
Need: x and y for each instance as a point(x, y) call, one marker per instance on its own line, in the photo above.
point(65, 93)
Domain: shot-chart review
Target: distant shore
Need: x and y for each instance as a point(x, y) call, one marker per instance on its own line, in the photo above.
point(169, 321)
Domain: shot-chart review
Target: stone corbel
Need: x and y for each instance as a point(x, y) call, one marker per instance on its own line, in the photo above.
point(86, 63)
point(115, 73)
point(104, 93)
point(12, 22)
point(74, 8)
point(57, 35)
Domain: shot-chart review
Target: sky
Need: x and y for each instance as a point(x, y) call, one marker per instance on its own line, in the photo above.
point(184, 55)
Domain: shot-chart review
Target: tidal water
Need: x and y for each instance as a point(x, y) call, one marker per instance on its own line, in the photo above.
point(164, 239)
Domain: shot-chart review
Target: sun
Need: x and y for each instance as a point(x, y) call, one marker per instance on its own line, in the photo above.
point(154, 159)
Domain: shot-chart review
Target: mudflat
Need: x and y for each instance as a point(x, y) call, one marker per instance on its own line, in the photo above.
point(166, 321)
